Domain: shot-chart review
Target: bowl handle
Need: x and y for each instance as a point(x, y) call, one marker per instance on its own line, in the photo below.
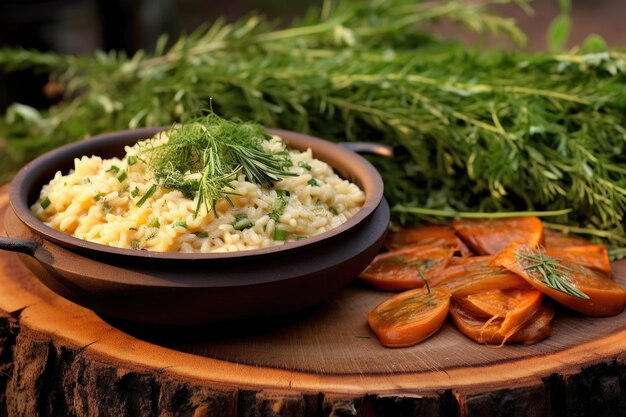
point(18, 245)
point(369, 148)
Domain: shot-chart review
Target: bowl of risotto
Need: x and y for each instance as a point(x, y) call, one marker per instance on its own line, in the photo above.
point(101, 226)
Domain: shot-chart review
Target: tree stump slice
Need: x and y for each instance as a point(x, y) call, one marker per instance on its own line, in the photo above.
point(60, 359)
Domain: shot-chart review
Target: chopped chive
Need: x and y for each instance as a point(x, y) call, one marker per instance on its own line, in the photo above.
point(114, 168)
point(305, 165)
point(98, 196)
point(147, 195)
point(181, 223)
point(131, 160)
point(106, 206)
point(202, 234)
point(242, 222)
point(155, 223)
point(45, 203)
point(312, 182)
point(282, 193)
point(122, 176)
point(280, 234)
point(301, 237)
point(135, 192)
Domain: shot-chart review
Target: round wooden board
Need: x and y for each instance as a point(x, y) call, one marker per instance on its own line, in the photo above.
point(58, 358)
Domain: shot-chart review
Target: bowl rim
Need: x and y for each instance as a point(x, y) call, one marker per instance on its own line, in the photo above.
point(24, 181)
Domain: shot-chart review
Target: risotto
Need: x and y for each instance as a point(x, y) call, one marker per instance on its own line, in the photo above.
point(117, 202)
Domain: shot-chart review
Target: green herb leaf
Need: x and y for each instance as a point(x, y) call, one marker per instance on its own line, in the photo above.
point(305, 165)
point(202, 234)
point(180, 223)
point(558, 32)
point(280, 234)
point(131, 160)
point(114, 169)
point(278, 207)
point(242, 222)
point(121, 177)
point(45, 203)
point(147, 195)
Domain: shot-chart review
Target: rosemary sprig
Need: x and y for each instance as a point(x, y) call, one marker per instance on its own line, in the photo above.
point(553, 273)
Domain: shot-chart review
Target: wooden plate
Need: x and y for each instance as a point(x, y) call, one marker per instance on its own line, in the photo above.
point(322, 361)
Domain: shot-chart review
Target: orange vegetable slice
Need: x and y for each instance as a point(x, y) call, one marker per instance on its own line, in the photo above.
point(433, 235)
point(575, 286)
point(591, 256)
point(537, 328)
point(476, 276)
point(406, 268)
point(409, 317)
point(487, 331)
point(515, 307)
point(489, 237)
point(554, 239)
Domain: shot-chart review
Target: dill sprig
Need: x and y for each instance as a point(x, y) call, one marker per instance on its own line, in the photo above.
point(200, 158)
point(551, 271)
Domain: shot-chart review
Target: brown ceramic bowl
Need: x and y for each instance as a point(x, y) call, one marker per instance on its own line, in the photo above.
point(178, 288)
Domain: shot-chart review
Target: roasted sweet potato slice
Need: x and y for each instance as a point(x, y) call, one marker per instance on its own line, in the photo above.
point(409, 317)
point(554, 239)
point(591, 256)
point(405, 268)
point(489, 237)
point(477, 275)
point(575, 286)
point(433, 235)
point(487, 331)
point(515, 307)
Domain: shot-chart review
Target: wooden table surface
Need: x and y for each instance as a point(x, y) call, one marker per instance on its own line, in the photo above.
point(57, 358)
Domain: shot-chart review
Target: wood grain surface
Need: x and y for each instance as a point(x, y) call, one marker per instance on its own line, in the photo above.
point(57, 358)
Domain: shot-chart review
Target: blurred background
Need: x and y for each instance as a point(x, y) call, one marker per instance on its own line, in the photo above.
point(81, 26)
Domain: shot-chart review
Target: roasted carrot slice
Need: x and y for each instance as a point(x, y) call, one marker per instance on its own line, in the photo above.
point(489, 237)
point(433, 235)
point(536, 328)
point(575, 286)
point(554, 239)
point(406, 268)
point(591, 256)
point(410, 317)
point(476, 276)
point(515, 307)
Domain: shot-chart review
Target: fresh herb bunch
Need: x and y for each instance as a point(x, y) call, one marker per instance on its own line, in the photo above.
point(481, 132)
point(201, 157)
